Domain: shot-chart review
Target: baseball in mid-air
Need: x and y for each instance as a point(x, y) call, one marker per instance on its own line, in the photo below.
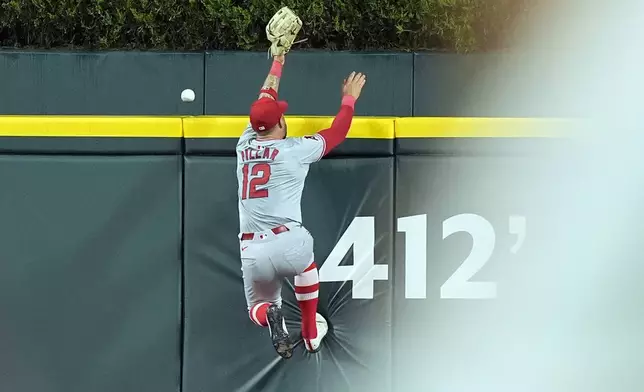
point(187, 95)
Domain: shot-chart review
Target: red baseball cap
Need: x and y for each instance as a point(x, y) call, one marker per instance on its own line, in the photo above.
point(265, 113)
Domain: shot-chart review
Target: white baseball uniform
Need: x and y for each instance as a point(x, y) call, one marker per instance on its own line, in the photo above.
point(271, 176)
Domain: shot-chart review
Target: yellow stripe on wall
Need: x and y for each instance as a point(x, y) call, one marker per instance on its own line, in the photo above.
point(474, 127)
point(232, 127)
point(90, 126)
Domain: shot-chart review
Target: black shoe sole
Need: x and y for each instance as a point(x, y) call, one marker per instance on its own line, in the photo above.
point(281, 340)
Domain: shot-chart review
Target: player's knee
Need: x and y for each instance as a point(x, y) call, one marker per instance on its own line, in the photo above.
point(307, 284)
point(308, 277)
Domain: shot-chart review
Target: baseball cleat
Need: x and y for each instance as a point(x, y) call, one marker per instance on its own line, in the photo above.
point(314, 345)
point(278, 332)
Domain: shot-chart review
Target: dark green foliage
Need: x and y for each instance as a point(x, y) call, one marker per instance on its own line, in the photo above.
point(455, 25)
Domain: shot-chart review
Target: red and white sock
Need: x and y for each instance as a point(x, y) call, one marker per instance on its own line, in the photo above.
point(257, 313)
point(307, 286)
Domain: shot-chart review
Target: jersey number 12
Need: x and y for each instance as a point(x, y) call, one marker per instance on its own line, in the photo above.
point(254, 175)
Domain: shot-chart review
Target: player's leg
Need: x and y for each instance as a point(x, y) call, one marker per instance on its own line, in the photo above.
point(307, 289)
point(307, 286)
point(265, 310)
point(314, 326)
point(263, 292)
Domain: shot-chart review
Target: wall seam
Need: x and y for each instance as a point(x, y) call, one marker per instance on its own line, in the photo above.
point(203, 84)
point(182, 291)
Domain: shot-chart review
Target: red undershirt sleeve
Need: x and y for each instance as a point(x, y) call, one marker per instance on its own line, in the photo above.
point(339, 129)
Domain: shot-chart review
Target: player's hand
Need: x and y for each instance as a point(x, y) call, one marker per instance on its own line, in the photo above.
point(353, 84)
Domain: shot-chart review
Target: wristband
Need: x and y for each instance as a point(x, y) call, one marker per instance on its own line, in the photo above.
point(276, 69)
point(348, 100)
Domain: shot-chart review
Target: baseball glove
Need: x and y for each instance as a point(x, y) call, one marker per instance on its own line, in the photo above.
point(281, 30)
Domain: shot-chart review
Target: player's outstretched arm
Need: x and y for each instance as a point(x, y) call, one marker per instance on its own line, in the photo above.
point(269, 90)
point(272, 83)
point(351, 89)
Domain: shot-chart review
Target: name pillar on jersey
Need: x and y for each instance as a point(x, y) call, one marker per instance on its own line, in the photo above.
point(262, 153)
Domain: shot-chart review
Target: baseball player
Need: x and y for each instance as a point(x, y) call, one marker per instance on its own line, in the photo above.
point(271, 170)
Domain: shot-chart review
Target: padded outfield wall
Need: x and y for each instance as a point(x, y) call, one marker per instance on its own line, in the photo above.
point(150, 83)
point(119, 260)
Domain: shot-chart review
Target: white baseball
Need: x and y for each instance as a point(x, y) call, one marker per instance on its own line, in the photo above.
point(187, 95)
